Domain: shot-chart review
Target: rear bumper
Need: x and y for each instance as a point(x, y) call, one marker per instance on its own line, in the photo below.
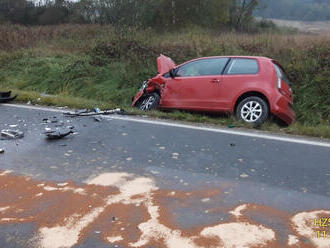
point(283, 110)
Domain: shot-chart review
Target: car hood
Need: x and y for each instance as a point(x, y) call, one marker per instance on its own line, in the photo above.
point(165, 64)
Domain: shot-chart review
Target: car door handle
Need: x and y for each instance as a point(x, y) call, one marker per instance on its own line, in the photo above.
point(215, 81)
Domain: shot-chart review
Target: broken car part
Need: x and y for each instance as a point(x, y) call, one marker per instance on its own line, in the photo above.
point(98, 119)
point(11, 134)
point(58, 134)
point(93, 112)
point(6, 97)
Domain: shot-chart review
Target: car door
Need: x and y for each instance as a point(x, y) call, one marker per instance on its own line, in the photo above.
point(239, 74)
point(195, 85)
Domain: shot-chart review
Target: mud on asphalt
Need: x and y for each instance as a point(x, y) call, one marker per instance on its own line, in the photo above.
point(132, 211)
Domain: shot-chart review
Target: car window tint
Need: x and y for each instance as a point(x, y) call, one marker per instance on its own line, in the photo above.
point(281, 74)
point(243, 66)
point(202, 67)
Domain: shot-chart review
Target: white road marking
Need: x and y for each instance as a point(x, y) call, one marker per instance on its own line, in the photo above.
point(192, 127)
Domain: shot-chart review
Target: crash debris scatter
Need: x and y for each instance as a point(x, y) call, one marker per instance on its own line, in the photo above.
point(94, 112)
point(56, 128)
point(7, 97)
point(11, 134)
point(131, 211)
point(58, 134)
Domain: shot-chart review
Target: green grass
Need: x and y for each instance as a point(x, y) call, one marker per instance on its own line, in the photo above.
point(90, 65)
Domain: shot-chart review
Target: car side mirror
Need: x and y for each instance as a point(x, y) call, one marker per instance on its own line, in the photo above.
point(172, 73)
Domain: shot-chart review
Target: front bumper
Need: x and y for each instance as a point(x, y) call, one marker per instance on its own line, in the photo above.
point(283, 110)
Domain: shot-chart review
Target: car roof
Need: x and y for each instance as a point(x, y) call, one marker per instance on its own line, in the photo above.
point(235, 56)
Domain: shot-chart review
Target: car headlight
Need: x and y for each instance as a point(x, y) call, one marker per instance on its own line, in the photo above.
point(144, 85)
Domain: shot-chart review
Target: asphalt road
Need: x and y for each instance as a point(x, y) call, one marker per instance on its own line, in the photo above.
point(272, 180)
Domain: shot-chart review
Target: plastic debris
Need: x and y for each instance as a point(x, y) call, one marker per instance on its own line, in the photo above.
point(81, 111)
point(98, 118)
point(58, 134)
point(6, 97)
point(2, 150)
point(11, 134)
point(96, 111)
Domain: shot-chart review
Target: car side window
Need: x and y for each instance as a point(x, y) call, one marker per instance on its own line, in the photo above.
point(203, 67)
point(243, 66)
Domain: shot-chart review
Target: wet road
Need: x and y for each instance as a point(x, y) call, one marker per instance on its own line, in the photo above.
point(208, 186)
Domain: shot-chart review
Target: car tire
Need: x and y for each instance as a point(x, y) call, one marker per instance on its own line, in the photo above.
point(149, 102)
point(253, 110)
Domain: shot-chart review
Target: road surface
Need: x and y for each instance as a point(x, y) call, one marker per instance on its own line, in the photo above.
point(136, 182)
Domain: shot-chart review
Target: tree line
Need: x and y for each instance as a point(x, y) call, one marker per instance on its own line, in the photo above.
point(169, 14)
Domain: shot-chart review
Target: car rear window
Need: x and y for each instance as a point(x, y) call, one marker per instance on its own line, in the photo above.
point(203, 67)
point(281, 74)
point(243, 66)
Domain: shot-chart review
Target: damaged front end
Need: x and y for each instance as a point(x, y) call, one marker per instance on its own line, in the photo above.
point(154, 85)
point(142, 91)
point(146, 89)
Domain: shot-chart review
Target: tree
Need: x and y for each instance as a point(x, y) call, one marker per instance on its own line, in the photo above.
point(242, 12)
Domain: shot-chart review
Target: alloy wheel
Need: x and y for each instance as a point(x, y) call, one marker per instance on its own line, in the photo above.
point(147, 103)
point(251, 111)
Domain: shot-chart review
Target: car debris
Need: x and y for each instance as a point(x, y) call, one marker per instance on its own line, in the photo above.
point(82, 111)
point(58, 133)
point(98, 118)
point(6, 97)
point(50, 120)
point(11, 134)
point(94, 112)
point(2, 150)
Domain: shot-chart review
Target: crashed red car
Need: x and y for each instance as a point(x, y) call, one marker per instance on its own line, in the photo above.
point(250, 87)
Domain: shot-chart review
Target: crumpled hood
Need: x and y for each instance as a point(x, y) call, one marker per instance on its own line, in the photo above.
point(165, 64)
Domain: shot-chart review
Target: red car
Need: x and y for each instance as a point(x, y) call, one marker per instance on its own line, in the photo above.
point(250, 87)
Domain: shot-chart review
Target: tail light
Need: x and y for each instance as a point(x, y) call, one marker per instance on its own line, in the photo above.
point(279, 83)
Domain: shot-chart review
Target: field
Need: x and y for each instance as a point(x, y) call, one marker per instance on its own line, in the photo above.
point(89, 65)
point(307, 27)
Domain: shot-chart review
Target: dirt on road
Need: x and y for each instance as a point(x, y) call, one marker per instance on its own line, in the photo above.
point(132, 211)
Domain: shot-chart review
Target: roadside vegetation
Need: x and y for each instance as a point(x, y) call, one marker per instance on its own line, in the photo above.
point(89, 65)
